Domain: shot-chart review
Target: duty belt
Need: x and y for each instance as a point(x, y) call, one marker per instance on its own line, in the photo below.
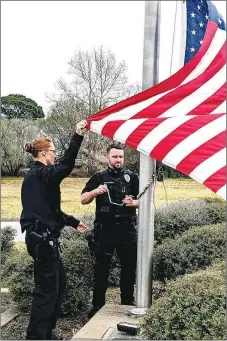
point(119, 219)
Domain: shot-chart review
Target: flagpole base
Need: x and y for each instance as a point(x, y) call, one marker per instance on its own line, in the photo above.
point(138, 312)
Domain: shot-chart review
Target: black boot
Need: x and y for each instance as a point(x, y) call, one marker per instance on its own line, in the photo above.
point(127, 302)
point(93, 311)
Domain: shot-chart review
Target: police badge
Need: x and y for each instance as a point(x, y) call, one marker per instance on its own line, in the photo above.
point(127, 177)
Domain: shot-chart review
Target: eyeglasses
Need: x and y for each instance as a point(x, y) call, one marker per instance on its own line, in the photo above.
point(46, 150)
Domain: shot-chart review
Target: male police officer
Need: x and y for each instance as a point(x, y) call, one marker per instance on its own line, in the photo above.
point(114, 189)
point(42, 219)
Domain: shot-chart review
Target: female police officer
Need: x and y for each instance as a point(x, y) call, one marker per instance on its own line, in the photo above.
point(42, 219)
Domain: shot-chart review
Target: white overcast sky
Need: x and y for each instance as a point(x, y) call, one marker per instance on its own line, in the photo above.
point(38, 38)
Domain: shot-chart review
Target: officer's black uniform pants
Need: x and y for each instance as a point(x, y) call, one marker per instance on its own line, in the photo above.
point(126, 249)
point(49, 279)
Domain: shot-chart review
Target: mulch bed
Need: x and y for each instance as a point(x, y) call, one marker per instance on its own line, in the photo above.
point(66, 327)
point(16, 330)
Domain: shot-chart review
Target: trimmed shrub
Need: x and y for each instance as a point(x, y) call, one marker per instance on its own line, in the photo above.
point(193, 308)
point(77, 262)
point(7, 236)
point(189, 252)
point(179, 216)
point(217, 209)
point(79, 272)
point(70, 234)
point(18, 271)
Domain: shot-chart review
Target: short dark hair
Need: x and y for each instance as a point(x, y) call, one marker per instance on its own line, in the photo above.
point(115, 146)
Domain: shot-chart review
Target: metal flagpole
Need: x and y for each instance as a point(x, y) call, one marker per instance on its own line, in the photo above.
point(183, 16)
point(179, 37)
point(147, 168)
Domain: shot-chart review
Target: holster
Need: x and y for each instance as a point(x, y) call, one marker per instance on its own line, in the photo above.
point(48, 250)
point(39, 234)
point(92, 244)
point(38, 238)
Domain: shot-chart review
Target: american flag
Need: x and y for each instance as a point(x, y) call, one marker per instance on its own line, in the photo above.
point(181, 121)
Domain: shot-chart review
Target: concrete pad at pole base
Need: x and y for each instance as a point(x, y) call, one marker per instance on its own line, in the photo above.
point(8, 316)
point(103, 324)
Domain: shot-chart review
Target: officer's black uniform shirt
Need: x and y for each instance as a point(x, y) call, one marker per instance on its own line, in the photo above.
point(113, 175)
point(40, 194)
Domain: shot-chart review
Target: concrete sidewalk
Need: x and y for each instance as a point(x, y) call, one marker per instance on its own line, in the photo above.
point(8, 316)
point(104, 321)
point(20, 237)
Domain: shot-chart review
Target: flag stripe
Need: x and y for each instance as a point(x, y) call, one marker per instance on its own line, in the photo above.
point(180, 134)
point(203, 152)
point(211, 103)
point(123, 129)
point(174, 102)
point(209, 166)
point(216, 180)
point(222, 192)
point(190, 101)
point(179, 152)
point(134, 138)
point(221, 108)
point(159, 132)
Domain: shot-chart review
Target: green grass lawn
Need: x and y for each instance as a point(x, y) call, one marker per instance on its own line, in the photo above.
point(177, 189)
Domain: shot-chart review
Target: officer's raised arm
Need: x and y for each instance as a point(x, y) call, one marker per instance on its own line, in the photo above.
point(43, 151)
point(65, 165)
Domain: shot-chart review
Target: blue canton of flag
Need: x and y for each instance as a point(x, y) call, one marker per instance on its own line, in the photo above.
point(199, 12)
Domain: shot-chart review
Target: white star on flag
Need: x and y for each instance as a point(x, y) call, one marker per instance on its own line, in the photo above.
point(193, 15)
point(201, 24)
point(207, 16)
point(193, 32)
point(201, 41)
point(192, 49)
point(199, 7)
point(220, 21)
